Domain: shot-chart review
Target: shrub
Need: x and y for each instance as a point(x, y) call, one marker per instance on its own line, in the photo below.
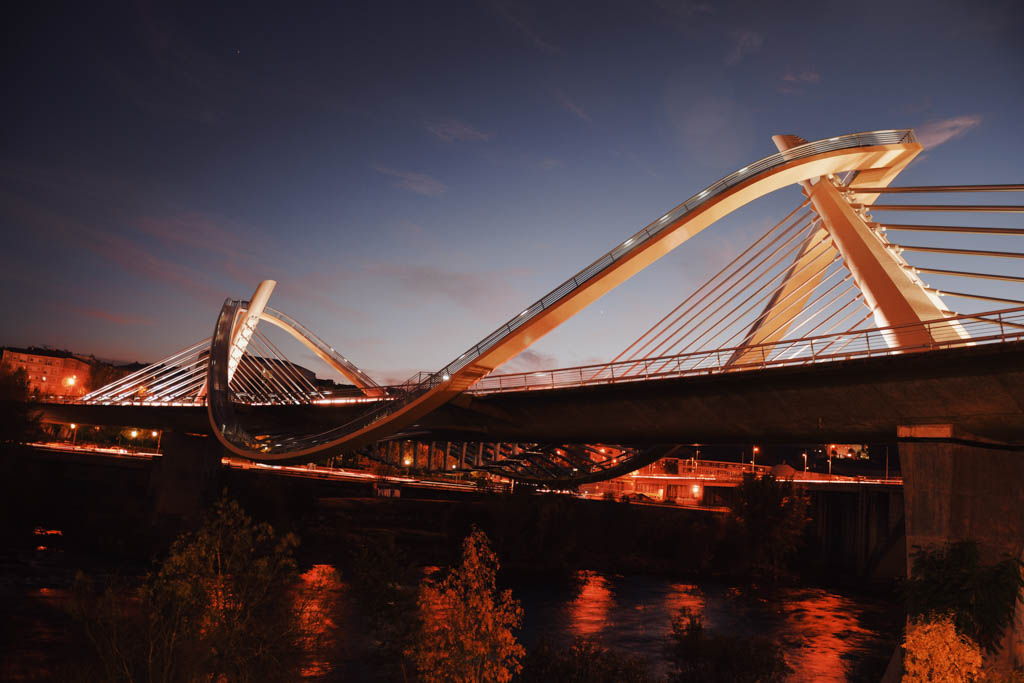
point(952, 581)
point(585, 662)
point(700, 656)
point(466, 625)
point(934, 651)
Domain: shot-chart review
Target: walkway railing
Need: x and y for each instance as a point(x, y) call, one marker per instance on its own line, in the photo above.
point(984, 328)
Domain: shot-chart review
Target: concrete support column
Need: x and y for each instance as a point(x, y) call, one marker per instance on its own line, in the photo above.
point(185, 479)
point(960, 487)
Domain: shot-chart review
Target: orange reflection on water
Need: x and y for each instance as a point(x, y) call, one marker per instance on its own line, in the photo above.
point(683, 595)
point(316, 601)
point(824, 632)
point(588, 612)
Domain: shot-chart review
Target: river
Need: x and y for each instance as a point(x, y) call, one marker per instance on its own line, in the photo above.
point(824, 632)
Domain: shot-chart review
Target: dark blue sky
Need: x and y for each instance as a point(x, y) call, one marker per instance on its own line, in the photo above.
point(414, 174)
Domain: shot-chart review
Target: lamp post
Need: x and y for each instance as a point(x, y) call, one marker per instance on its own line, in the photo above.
point(74, 434)
point(134, 433)
point(753, 455)
point(158, 435)
point(805, 460)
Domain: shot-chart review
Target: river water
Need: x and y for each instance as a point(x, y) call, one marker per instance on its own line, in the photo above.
point(825, 633)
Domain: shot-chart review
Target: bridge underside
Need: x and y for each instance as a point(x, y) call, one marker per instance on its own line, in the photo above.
point(980, 389)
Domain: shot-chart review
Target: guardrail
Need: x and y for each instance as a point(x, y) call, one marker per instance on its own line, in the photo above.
point(990, 327)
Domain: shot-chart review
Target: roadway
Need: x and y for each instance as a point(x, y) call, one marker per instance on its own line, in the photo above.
point(980, 389)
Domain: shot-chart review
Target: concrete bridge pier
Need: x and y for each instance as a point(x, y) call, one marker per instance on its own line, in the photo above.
point(185, 479)
point(958, 487)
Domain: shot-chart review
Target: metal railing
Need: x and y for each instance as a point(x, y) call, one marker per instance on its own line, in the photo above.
point(408, 393)
point(984, 328)
point(886, 137)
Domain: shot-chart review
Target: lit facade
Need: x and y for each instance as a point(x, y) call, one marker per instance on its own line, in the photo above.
point(49, 373)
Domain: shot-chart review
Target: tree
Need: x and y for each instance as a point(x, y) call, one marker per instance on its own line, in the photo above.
point(18, 423)
point(220, 607)
point(700, 656)
point(769, 517)
point(935, 651)
point(586, 661)
point(466, 624)
point(951, 581)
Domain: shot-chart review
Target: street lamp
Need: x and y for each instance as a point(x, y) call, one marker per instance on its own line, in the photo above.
point(134, 433)
point(74, 433)
point(805, 460)
point(753, 455)
point(157, 435)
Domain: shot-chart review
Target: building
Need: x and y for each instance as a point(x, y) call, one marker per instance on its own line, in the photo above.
point(50, 373)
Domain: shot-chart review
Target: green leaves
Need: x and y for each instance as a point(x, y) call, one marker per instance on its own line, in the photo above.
point(952, 580)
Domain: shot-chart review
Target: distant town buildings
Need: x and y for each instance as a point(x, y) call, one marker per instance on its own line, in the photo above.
point(49, 372)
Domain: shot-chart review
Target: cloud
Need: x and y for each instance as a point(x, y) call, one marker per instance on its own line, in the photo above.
point(804, 76)
point(514, 14)
point(420, 183)
point(744, 43)
point(935, 133)
point(529, 361)
point(482, 293)
point(548, 164)
point(794, 82)
point(453, 130)
point(567, 104)
point(112, 317)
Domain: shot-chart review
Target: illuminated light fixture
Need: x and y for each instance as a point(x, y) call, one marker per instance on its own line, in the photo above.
point(135, 433)
point(74, 426)
point(153, 433)
point(445, 377)
point(695, 489)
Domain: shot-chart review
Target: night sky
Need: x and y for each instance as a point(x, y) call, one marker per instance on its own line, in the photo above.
point(414, 174)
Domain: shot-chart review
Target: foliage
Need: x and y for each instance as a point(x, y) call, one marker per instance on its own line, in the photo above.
point(700, 656)
point(769, 516)
point(951, 580)
point(585, 662)
point(18, 422)
point(220, 607)
point(380, 579)
point(935, 651)
point(465, 633)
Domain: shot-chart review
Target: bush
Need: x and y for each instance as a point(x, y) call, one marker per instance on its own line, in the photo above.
point(466, 625)
point(950, 581)
point(934, 651)
point(585, 662)
point(768, 517)
point(220, 607)
point(701, 657)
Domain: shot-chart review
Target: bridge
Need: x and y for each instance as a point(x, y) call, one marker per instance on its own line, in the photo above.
point(823, 328)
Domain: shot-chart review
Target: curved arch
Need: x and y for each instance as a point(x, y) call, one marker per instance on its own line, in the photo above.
point(323, 351)
point(875, 157)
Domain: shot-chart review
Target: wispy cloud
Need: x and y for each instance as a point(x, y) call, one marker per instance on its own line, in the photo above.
point(935, 133)
point(420, 183)
point(112, 317)
point(530, 361)
point(685, 9)
point(744, 44)
point(570, 106)
point(453, 130)
point(481, 293)
point(796, 81)
point(515, 15)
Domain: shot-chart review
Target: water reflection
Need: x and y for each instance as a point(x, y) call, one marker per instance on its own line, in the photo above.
point(824, 629)
point(820, 631)
point(317, 601)
point(588, 612)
